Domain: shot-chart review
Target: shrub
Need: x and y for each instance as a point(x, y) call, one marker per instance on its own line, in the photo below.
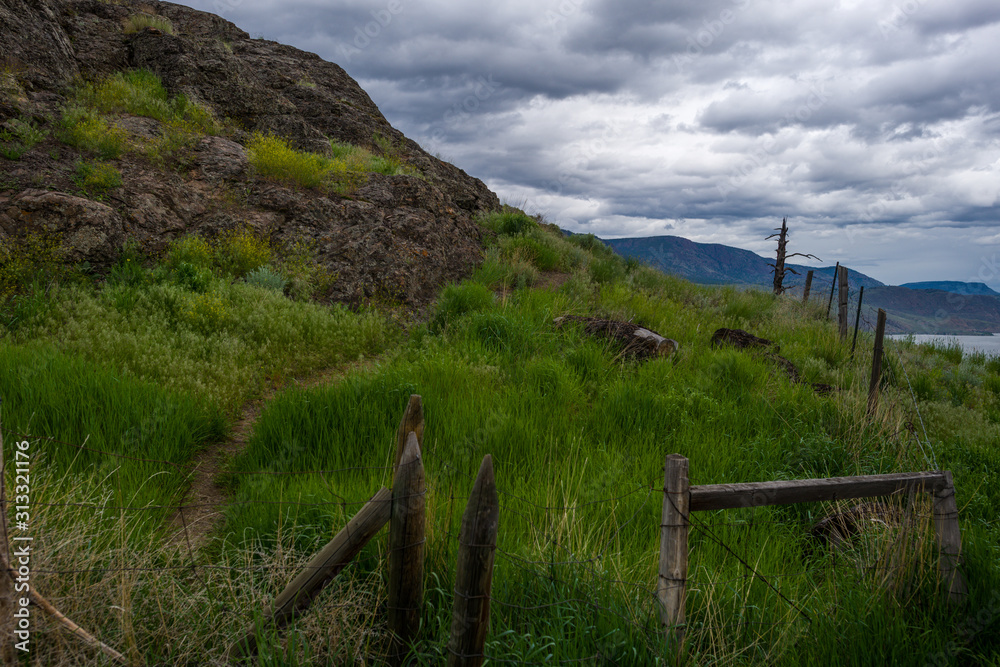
point(87, 130)
point(267, 278)
point(36, 257)
point(128, 269)
point(307, 277)
point(191, 277)
point(29, 265)
point(508, 221)
point(138, 22)
point(96, 176)
point(240, 251)
point(192, 250)
point(206, 313)
point(20, 137)
point(457, 300)
point(272, 157)
point(607, 270)
point(543, 257)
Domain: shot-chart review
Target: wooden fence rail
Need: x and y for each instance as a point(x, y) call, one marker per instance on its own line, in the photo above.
point(679, 499)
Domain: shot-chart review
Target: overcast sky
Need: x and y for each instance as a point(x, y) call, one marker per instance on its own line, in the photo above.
point(872, 124)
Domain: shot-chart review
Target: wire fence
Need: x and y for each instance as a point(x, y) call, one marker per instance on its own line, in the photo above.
point(591, 582)
point(572, 581)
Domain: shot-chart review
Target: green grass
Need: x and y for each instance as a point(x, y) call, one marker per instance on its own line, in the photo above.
point(141, 93)
point(578, 435)
point(96, 177)
point(139, 22)
point(87, 130)
point(20, 137)
point(342, 171)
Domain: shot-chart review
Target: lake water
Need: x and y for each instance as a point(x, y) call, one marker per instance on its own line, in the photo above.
point(988, 344)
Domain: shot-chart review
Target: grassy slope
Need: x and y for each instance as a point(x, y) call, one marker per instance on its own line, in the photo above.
point(578, 436)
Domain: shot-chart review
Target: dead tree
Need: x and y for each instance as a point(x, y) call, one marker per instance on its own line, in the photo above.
point(779, 268)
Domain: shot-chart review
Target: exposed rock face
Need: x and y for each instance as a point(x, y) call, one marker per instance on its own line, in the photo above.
point(395, 236)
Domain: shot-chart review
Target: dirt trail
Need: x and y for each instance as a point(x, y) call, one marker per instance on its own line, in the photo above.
point(205, 500)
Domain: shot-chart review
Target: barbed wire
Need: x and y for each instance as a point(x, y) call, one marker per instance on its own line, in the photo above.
point(528, 511)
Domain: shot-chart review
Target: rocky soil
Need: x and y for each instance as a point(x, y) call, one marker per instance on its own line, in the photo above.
point(394, 237)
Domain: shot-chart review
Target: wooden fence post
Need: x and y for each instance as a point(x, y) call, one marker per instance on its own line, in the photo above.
point(406, 551)
point(949, 540)
point(833, 286)
point(672, 582)
point(876, 363)
point(412, 421)
point(842, 305)
point(323, 567)
point(477, 542)
point(857, 320)
point(809, 284)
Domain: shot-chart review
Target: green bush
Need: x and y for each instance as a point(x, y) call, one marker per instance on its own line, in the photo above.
point(128, 270)
point(20, 137)
point(89, 131)
point(266, 277)
point(273, 158)
point(192, 277)
point(239, 251)
point(307, 276)
point(458, 300)
point(95, 176)
point(607, 270)
point(508, 221)
point(192, 250)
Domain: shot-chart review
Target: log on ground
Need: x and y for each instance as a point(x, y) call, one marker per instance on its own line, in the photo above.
point(636, 341)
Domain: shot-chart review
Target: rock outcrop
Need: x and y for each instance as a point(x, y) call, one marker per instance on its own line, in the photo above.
point(397, 236)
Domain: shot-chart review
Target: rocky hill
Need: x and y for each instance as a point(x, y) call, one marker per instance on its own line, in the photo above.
point(393, 235)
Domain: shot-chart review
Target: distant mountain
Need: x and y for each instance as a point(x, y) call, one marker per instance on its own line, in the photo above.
point(941, 307)
point(953, 286)
point(933, 311)
point(717, 264)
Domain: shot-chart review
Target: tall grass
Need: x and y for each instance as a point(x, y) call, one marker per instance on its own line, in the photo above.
point(578, 434)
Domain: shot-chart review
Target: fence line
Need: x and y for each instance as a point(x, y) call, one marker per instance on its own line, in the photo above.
point(945, 516)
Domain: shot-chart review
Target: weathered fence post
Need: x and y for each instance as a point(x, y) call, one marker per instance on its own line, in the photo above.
point(808, 287)
point(857, 320)
point(842, 305)
point(876, 362)
point(833, 286)
point(406, 551)
point(412, 421)
point(672, 582)
point(477, 542)
point(949, 540)
point(323, 567)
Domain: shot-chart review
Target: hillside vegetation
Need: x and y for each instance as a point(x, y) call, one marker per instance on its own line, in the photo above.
point(156, 362)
